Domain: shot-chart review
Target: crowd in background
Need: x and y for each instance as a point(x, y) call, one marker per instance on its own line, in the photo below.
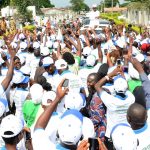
point(63, 84)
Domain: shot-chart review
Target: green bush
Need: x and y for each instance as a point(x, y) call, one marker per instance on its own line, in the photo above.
point(30, 28)
point(114, 17)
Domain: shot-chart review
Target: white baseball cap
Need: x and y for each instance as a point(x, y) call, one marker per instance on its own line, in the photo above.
point(36, 91)
point(94, 6)
point(88, 128)
point(86, 51)
point(123, 137)
point(47, 61)
point(22, 59)
point(145, 41)
point(23, 45)
point(25, 69)
point(3, 105)
point(13, 45)
point(120, 84)
point(45, 51)
point(11, 123)
point(53, 37)
point(61, 64)
point(36, 45)
point(74, 100)
point(70, 129)
point(140, 57)
point(20, 78)
point(21, 36)
point(90, 61)
point(50, 95)
point(120, 43)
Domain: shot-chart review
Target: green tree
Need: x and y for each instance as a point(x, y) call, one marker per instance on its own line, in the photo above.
point(139, 3)
point(134, 0)
point(44, 3)
point(4, 3)
point(23, 4)
point(108, 3)
point(78, 5)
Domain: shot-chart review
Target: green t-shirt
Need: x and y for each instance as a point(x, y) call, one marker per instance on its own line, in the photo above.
point(133, 84)
point(29, 112)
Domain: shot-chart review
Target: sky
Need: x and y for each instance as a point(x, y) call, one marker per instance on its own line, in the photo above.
point(64, 3)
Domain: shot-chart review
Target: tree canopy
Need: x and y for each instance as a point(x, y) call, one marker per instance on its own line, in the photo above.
point(138, 4)
point(25, 3)
point(4, 3)
point(134, 0)
point(79, 5)
point(108, 3)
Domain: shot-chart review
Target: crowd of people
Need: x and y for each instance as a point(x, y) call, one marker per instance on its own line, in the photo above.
point(63, 85)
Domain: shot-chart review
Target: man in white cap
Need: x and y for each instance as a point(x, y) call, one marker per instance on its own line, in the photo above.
point(40, 138)
point(123, 137)
point(92, 64)
point(94, 16)
point(117, 104)
point(11, 131)
point(75, 82)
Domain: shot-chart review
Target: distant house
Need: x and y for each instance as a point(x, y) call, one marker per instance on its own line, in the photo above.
point(115, 9)
point(11, 11)
point(60, 13)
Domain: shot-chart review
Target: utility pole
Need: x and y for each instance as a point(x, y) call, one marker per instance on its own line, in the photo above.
point(112, 5)
point(104, 6)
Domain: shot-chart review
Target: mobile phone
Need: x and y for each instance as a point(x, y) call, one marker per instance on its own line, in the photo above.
point(66, 83)
point(125, 69)
point(118, 62)
point(94, 145)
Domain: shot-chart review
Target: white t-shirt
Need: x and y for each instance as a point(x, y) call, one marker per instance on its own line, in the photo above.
point(85, 71)
point(40, 140)
point(4, 71)
point(75, 82)
point(94, 14)
point(116, 108)
point(54, 79)
point(3, 95)
point(33, 65)
point(143, 136)
point(52, 127)
point(21, 54)
point(29, 58)
point(93, 17)
point(19, 96)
